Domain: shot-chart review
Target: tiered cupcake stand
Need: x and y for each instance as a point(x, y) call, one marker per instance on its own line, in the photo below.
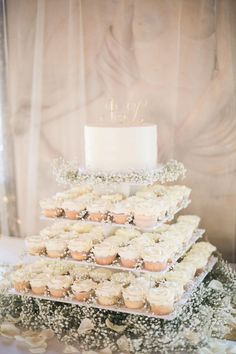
point(138, 270)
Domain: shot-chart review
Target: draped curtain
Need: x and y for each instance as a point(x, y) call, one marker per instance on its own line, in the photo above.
point(66, 58)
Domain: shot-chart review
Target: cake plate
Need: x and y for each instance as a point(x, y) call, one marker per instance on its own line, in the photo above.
point(118, 266)
point(121, 308)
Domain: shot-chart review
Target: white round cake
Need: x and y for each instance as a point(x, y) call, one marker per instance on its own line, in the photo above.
point(121, 148)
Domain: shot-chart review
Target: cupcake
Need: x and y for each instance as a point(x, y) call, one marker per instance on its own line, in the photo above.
point(128, 232)
point(105, 254)
point(82, 228)
point(97, 211)
point(108, 293)
point(123, 278)
point(39, 284)
point(48, 232)
point(35, 245)
point(83, 289)
point(142, 242)
point(94, 237)
point(133, 297)
point(121, 213)
point(159, 189)
point(74, 209)
point(129, 256)
point(161, 300)
point(144, 282)
point(56, 248)
point(113, 197)
point(79, 248)
point(59, 285)
point(51, 208)
point(78, 272)
point(177, 289)
point(115, 240)
point(147, 213)
point(181, 277)
point(155, 259)
point(100, 274)
point(21, 280)
point(190, 219)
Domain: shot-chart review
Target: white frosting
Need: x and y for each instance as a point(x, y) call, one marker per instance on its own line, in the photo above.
point(129, 252)
point(104, 250)
point(80, 245)
point(83, 285)
point(161, 296)
point(133, 293)
point(34, 241)
point(56, 245)
point(108, 288)
point(122, 277)
point(39, 280)
point(60, 281)
point(121, 148)
point(100, 274)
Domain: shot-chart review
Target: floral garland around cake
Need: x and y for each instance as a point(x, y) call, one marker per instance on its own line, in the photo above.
point(68, 172)
point(208, 314)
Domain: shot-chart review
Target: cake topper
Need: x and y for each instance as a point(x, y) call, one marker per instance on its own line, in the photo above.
point(127, 114)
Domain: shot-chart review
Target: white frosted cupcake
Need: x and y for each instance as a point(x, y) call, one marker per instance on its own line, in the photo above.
point(21, 280)
point(56, 248)
point(181, 277)
point(51, 208)
point(176, 288)
point(115, 240)
point(100, 274)
point(113, 197)
point(108, 293)
point(75, 209)
point(123, 278)
point(82, 228)
point(79, 272)
point(39, 283)
point(105, 254)
point(141, 242)
point(94, 237)
point(121, 213)
point(146, 194)
point(130, 233)
point(147, 214)
point(97, 211)
point(61, 226)
point(161, 300)
point(79, 248)
point(133, 297)
point(129, 256)
point(83, 289)
point(59, 285)
point(144, 282)
point(155, 259)
point(190, 219)
point(35, 245)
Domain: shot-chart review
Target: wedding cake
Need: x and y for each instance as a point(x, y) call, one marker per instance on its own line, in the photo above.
point(121, 148)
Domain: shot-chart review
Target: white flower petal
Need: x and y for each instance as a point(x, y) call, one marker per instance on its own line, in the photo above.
point(85, 326)
point(37, 350)
point(70, 349)
point(106, 351)
point(114, 327)
point(124, 344)
point(9, 329)
point(47, 333)
point(216, 285)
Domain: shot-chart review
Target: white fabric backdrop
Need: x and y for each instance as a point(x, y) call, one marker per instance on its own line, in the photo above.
point(67, 57)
